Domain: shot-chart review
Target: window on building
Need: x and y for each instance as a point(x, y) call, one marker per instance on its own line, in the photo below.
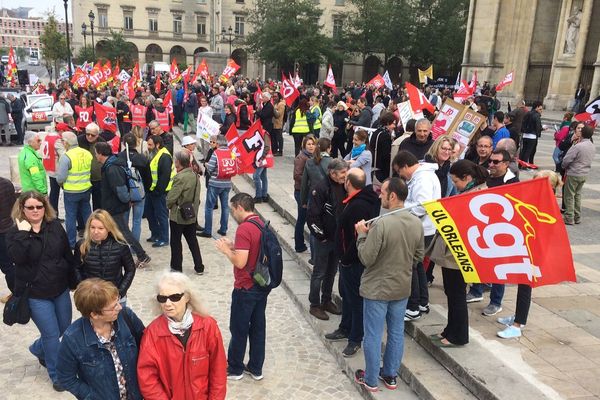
point(239, 25)
point(338, 26)
point(239, 1)
point(200, 1)
point(128, 20)
point(153, 24)
point(201, 25)
point(339, 2)
point(177, 24)
point(102, 19)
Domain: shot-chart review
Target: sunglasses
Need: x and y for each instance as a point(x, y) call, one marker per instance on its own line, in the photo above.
point(173, 297)
point(497, 161)
point(34, 207)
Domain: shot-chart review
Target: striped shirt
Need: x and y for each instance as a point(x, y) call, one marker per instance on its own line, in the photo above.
point(213, 169)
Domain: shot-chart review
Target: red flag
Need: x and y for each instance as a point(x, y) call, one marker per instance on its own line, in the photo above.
point(418, 101)
point(106, 117)
point(473, 83)
point(591, 114)
point(116, 72)
point(503, 234)
point(288, 91)
point(229, 70)
point(249, 147)
point(137, 76)
point(80, 78)
point(11, 73)
point(168, 104)
point(508, 79)
point(157, 84)
point(97, 75)
point(257, 94)
point(463, 92)
point(106, 72)
point(377, 81)
point(186, 81)
point(201, 70)
point(129, 88)
point(330, 81)
point(174, 75)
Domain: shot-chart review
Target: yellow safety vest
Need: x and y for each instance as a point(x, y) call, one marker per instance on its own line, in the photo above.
point(78, 179)
point(317, 124)
point(300, 125)
point(154, 169)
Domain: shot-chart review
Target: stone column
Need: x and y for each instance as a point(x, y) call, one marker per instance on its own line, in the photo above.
point(468, 37)
point(566, 68)
point(492, 55)
point(596, 79)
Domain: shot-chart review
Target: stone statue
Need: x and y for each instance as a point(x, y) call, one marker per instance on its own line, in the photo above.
point(573, 23)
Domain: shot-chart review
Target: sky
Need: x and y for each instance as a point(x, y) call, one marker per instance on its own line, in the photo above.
point(40, 7)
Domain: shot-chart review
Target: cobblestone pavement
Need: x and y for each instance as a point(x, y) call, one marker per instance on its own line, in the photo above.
point(297, 365)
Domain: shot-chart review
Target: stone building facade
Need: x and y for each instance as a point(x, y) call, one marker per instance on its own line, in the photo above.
point(551, 45)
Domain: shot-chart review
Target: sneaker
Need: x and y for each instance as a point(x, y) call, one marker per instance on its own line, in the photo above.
point(222, 233)
point(331, 308)
point(253, 375)
point(359, 377)
point(510, 332)
point(234, 377)
point(491, 309)
point(424, 309)
point(160, 244)
point(151, 240)
point(568, 221)
point(577, 221)
point(411, 315)
point(388, 381)
point(337, 335)
point(317, 312)
point(143, 262)
point(351, 349)
point(204, 234)
point(506, 320)
point(471, 298)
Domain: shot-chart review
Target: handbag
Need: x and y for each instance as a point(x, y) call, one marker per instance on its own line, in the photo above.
point(187, 210)
point(16, 309)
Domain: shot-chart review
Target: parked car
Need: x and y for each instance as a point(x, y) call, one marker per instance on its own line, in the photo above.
point(38, 111)
point(4, 59)
point(34, 61)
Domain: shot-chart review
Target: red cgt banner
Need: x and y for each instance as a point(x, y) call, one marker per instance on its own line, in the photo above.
point(106, 117)
point(507, 234)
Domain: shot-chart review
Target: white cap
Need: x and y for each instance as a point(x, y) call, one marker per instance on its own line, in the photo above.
point(187, 140)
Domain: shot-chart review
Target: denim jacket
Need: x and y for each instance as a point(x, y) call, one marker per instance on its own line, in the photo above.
point(86, 369)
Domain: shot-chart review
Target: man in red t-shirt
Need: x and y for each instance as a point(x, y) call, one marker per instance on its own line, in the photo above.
point(248, 300)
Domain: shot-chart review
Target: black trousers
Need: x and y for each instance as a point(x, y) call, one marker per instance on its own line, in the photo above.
point(419, 292)
point(96, 195)
point(189, 232)
point(338, 143)
point(277, 141)
point(297, 143)
point(457, 329)
point(528, 150)
point(523, 304)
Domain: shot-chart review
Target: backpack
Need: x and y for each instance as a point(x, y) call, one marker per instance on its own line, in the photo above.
point(134, 180)
point(269, 265)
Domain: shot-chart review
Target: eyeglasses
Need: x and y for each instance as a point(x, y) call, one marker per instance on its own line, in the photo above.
point(483, 146)
point(90, 135)
point(115, 307)
point(497, 161)
point(446, 149)
point(61, 98)
point(173, 297)
point(30, 208)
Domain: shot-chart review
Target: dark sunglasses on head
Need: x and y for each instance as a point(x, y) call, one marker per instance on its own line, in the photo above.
point(34, 207)
point(173, 297)
point(497, 161)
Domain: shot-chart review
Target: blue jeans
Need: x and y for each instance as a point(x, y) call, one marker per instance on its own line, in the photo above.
point(260, 182)
point(299, 228)
point(76, 205)
point(212, 194)
point(52, 318)
point(496, 294)
point(352, 302)
point(375, 314)
point(158, 216)
point(247, 323)
point(138, 214)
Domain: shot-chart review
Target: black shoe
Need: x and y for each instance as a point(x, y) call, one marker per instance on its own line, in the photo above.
point(265, 199)
point(302, 250)
point(331, 308)
point(258, 200)
point(336, 335)
point(311, 262)
point(42, 362)
point(388, 381)
point(151, 240)
point(160, 244)
point(204, 234)
point(351, 349)
point(199, 228)
point(222, 233)
point(57, 387)
point(143, 262)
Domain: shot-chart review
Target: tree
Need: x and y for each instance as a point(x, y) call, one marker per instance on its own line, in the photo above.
point(21, 53)
point(53, 44)
point(287, 32)
point(84, 54)
point(117, 48)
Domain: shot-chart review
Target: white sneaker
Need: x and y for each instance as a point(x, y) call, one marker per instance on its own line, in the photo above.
point(506, 320)
point(255, 377)
point(510, 332)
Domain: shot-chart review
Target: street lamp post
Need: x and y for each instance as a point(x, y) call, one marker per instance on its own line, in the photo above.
point(68, 41)
point(84, 33)
point(91, 16)
point(227, 36)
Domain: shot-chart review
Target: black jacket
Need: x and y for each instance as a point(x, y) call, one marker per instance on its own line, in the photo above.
point(229, 120)
point(381, 148)
point(532, 123)
point(514, 133)
point(419, 149)
point(364, 205)
point(17, 107)
point(109, 260)
point(115, 192)
point(45, 259)
point(141, 163)
point(167, 141)
point(324, 209)
point(339, 121)
point(266, 114)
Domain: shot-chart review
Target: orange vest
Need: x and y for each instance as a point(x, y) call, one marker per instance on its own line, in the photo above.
point(84, 116)
point(138, 115)
point(163, 119)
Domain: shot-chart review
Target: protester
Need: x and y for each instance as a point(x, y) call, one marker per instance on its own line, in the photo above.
point(181, 355)
point(54, 149)
point(360, 156)
point(314, 116)
point(4, 113)
point(381, 144)
point(339, 139)
point(266, 113)
point(420, 141)
point(61, 108)
point(261, 181)
point(217, 104)
point(106, 369)
point(230, 119)
point(388, 248)
point(577, 163)
point(308, 148)
point(279, 118)
point(88, 142)
point(365, 115)
point(532, 130)
point(248, 300)
point(16, 113)
point(104, 253)
point(40, 250)
point(31, 167)
point(184, 195)
point(7, 201)
point(511, 147)
point(156, 129)
point(327, 127)
point(163, 172)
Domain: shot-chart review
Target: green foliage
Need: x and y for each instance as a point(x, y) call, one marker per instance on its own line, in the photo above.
point(84, 54)
point(117, 48)
point(53, 43)
point(286, 32)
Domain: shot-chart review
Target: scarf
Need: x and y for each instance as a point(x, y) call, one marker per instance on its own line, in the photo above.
point(357, 150)
point(179, 328)
point(309, 155)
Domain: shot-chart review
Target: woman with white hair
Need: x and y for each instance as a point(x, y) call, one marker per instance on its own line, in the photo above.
point(182, 355)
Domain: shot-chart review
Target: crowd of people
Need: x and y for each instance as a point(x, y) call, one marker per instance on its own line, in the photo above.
point(353, 158)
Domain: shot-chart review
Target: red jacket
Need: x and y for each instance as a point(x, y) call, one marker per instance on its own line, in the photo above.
point(168, 372)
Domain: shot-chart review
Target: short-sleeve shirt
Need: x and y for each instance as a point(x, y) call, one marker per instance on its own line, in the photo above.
point(247, 237)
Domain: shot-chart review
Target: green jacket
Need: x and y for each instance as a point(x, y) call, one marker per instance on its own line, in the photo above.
point(183, 192)
point(32, 171)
